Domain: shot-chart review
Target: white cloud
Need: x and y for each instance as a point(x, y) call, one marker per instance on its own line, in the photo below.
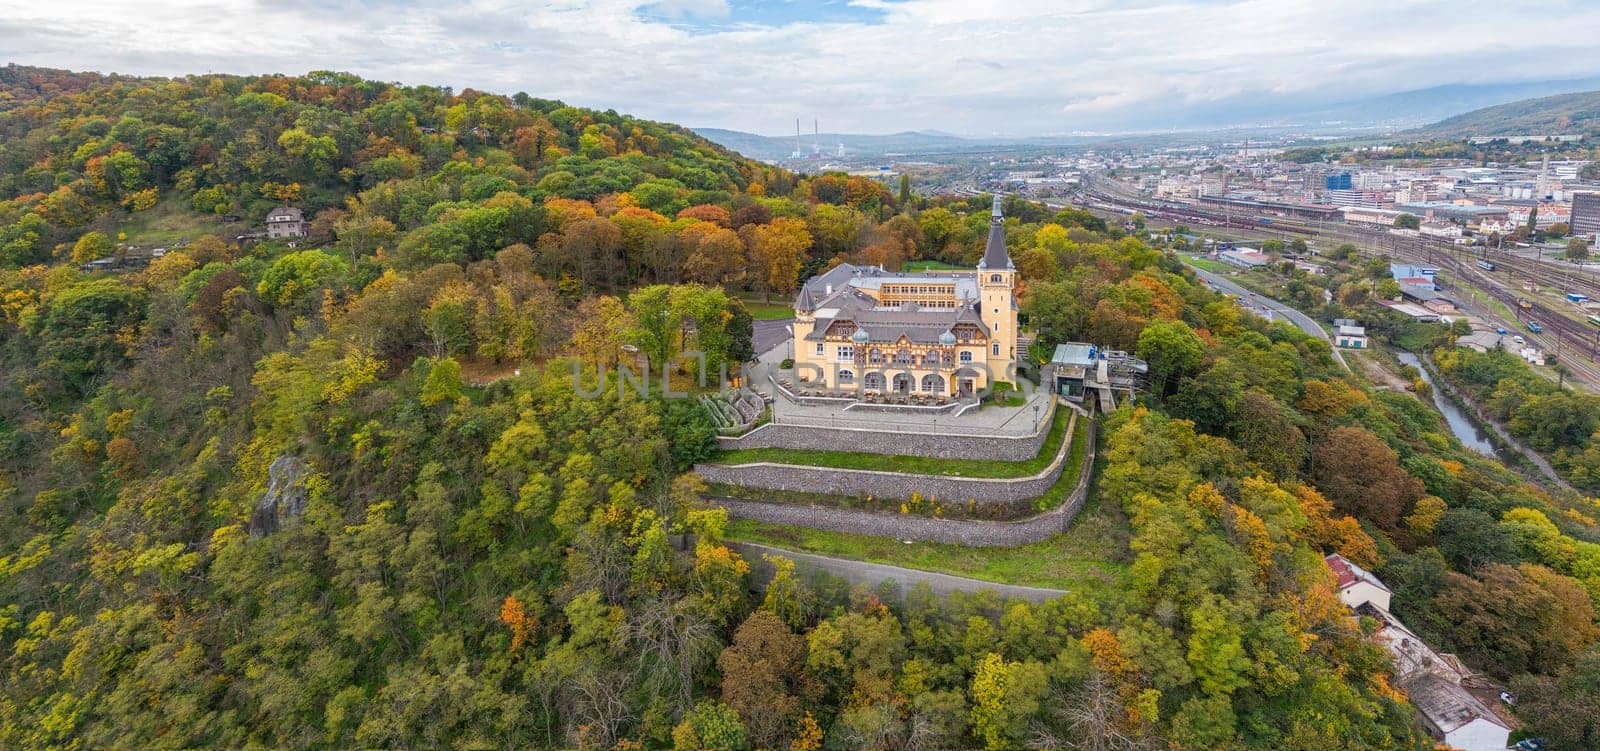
point(958, 65)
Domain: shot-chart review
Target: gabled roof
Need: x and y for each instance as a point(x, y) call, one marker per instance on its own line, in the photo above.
point(1349, 573)
point(1446, 705)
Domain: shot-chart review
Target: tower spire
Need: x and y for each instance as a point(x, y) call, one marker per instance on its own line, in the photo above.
point(994, 254)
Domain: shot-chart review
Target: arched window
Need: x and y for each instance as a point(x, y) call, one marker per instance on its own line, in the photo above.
point(846, 378)
point(933, 383)
point(875, 356)
point(994, 278)
point(873, 381)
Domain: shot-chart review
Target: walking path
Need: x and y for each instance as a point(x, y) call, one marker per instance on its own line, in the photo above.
point(873, 574)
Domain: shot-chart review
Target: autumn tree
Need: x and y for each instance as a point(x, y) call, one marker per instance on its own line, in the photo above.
point(762, 673)
point(777, 250)
point(1362, 476)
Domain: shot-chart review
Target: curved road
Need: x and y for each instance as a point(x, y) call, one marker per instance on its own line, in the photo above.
point(872, 574)
point(1296, 317)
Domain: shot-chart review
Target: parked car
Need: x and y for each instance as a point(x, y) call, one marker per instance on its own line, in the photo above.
point(1508, 698)
point(1518, 339)
point(1529, 744)
point(1501, 330)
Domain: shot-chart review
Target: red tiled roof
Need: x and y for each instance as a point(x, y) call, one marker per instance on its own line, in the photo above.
point(1349, 573)
point(1341, 570)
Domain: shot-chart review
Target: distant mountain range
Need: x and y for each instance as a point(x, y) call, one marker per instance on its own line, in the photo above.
point(1544, 116)
point(1489, 109)
point(1423, 106)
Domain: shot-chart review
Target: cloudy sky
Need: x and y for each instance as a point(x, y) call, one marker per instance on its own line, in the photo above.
point(974, 67)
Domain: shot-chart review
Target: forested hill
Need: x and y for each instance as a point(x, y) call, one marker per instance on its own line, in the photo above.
point(82, 150)
point(350, 492)
point(1561, 114)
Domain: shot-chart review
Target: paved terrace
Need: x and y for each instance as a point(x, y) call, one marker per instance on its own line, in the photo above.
point(990, 420)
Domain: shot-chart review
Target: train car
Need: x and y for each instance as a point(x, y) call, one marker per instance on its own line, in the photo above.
point(1575, 297)
point(1535, 327)
point(1593, 320)
point(1522, 302)
point(1485, 265)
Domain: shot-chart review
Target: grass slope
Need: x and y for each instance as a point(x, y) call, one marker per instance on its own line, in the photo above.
point(1089, 556)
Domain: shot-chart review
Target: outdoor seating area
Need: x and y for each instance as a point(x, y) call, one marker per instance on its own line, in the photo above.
point(868, 398)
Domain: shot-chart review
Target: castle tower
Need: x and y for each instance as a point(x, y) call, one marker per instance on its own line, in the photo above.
point(997, 284)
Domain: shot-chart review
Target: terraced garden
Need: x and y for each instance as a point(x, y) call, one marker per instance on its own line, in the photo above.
point(914, 464)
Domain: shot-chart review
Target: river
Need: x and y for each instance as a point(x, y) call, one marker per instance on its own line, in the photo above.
point(1459, 423)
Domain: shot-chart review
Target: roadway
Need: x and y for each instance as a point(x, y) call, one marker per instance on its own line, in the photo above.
point(1275, 307)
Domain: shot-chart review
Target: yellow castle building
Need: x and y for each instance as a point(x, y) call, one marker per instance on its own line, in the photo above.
point(861, 328)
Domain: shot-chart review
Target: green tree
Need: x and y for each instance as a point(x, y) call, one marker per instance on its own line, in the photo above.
point(1005, 695)
point(710, 725)
point(297, 277)
point(91, 246)
point(1577, 249)
point(443, 383)
point(1560, 709)
point(1172, 349)
point(1408, 221)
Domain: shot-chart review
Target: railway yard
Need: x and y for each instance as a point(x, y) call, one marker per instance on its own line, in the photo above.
point(1517, 292)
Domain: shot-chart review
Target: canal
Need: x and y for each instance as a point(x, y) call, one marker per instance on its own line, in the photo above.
point(1459, 423)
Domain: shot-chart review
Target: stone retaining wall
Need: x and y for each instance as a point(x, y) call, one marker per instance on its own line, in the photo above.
point(922, 528)
point(1007, 448)
point(861, 483)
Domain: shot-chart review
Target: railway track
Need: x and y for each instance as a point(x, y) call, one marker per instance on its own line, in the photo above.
point(1574, 343)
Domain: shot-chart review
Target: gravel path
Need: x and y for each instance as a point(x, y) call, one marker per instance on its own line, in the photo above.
point(872, 574)
point(983, 534)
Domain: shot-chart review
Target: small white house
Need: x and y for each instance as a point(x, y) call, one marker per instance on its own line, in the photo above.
point(1350, 337)
point(1357, 586)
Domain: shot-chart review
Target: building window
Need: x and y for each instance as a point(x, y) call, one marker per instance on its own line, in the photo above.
point(994, 278)
point(819, 348)
point(997, 326)
point(996, 349)
point(846, 378)
point(875, 356)
point(846, 352)
point(966, 356)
